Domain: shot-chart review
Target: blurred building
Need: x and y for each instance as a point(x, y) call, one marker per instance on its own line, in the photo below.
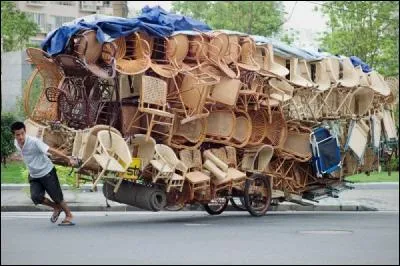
point(50, 15)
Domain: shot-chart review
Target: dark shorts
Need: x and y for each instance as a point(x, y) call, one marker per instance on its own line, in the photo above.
point(50, 184)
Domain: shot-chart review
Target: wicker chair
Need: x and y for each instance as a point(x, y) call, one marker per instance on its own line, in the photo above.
point(153, 105)
point(98, 58)
point(221, 126)
point(189, 94)
point(189, 135)
point(248, 51)
point(165, 163)
point(112, 155)
point(357, 139)
point(257, 159)
point(142, 149)
point(218, 47)
point(299, 75)
point(223, 176)
point(265, 58)
point(243, 130)
point(276, 129)
point(378, 83)
point(168, 54)
point(84, 146)
point(133, 54)
point(199, 182)
point(52, 78)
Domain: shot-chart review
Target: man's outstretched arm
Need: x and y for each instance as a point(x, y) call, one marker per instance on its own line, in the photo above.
point(56, 152)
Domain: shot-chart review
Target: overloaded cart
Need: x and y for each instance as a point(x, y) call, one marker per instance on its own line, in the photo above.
point(167, 112)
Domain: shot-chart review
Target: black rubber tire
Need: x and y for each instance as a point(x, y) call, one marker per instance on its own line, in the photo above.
point(249, 199)
point(220, 210)
point(241, 207)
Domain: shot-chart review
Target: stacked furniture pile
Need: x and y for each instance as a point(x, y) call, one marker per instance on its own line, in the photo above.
point(204, 116)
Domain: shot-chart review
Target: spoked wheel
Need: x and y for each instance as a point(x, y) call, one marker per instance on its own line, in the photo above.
point(257, 194)
point(238, 203)
point(216, 206)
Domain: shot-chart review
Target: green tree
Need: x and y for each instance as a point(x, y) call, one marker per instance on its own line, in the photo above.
point(252, 17)
point(7, 144)
point(367, 29)
point(16, 27)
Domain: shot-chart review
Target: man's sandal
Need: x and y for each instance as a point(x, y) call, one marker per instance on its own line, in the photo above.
point(66, 223)
point(55, 216)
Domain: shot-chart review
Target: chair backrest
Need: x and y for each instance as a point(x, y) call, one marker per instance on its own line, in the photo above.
point(191, 158)
point(218, 45)
point(333, 68)
point(282, 88)
point(364, 81)
point(273, 66)
point(168, 156)
point(46, 66)
point(322, 75)
point(257, 159)
point(115, 145)
point(221, 123)
point(143, 149)
point(208, 155)
point(88, 140)
point(350, 76)
point(233, 53)
point(305, 70)
point(378, 84)
point(295, 74)
point(248, 50)
point(361, 100)
point(87, 47)
point(34, 129)
point(179, 45)
point(153, 92)
point(219, 91)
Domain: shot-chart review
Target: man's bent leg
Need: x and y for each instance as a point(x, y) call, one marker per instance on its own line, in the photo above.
point(37, 190)
point(53, 188)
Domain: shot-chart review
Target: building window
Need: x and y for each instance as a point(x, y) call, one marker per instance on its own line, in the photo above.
point(39, 18)
point(64, 3)
point(106, 3)
point(57, 21)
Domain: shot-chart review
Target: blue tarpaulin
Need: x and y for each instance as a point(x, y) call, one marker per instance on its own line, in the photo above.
point(357, 61)
point(157, 15)
point(154, 21)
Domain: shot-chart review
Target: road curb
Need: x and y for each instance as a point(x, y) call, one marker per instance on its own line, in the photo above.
point(89, 208)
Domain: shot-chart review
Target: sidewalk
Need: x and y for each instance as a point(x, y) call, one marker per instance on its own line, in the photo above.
point(364, 197)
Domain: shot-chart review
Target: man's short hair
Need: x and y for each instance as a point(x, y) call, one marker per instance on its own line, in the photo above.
point(17, 126)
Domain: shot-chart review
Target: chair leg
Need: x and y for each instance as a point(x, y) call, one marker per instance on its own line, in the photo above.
point(98, 178)
point(118, 185)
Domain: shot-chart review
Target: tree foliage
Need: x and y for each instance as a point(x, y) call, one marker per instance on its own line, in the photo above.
point(367, 29)
point(7, 138)
point(252, 17)
point(16, 27)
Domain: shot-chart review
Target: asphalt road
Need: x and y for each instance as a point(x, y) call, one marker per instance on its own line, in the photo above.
point(198, 238)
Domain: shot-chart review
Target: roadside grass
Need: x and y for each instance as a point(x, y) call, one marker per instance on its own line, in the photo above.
point(17, 173)
point(374, 177)
point(13, 173)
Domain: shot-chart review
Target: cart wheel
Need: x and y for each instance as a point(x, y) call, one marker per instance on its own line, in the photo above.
point(257, 195)
point(238, 203)
point(216, 206)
